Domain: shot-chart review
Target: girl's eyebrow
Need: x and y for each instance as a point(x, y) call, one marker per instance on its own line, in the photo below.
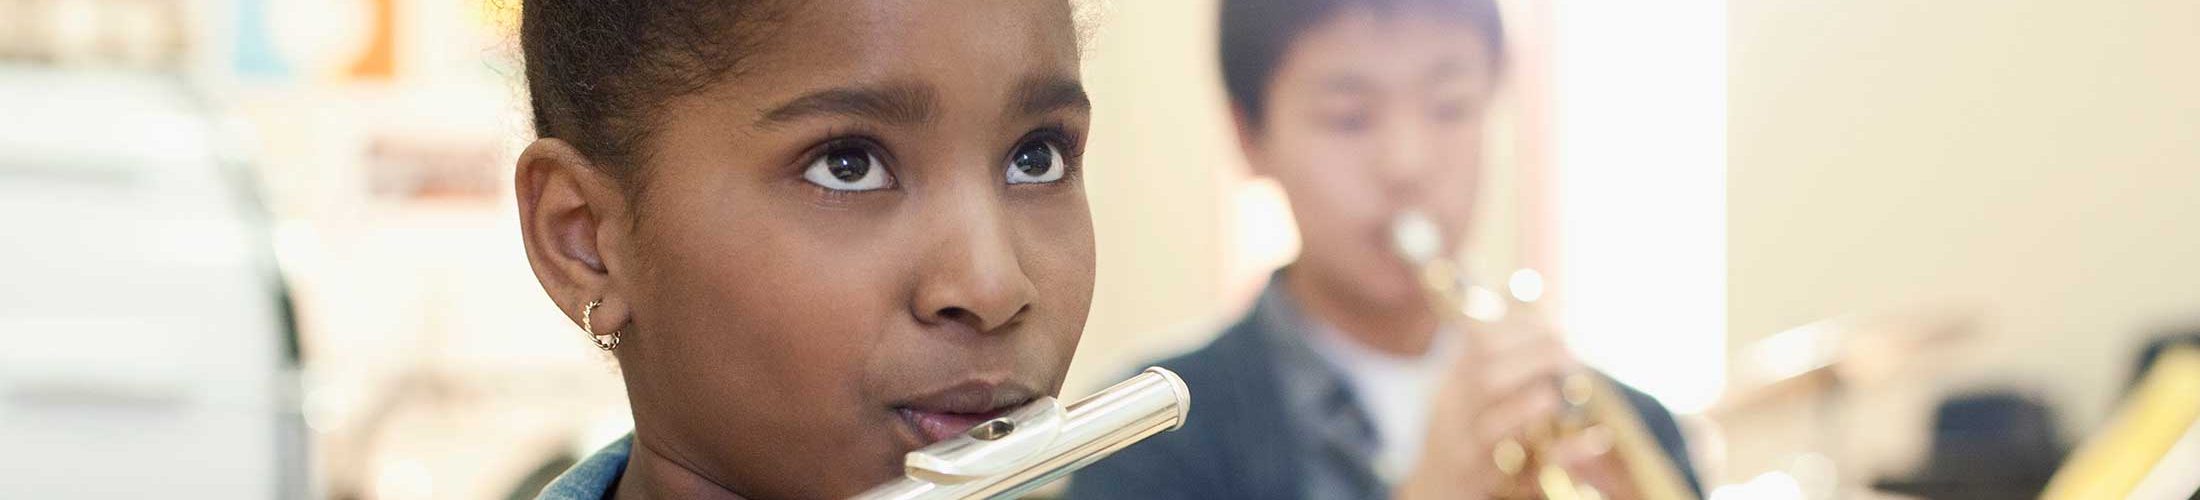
point(1040, 95)
point(895, 103)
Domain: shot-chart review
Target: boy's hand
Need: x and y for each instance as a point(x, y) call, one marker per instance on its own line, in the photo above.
point(1501, 394)
point(1589, 459)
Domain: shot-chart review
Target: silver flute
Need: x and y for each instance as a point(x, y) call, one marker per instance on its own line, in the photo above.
point(1042, 441)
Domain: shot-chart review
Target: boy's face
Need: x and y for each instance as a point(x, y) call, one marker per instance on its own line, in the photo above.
point(1369, 114)
point(869, 237)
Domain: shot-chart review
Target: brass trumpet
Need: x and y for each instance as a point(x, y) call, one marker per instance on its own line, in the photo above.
point(1042, 441)
point(1592, 402)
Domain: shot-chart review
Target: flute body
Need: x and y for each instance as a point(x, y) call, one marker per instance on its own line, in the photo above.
point(1042, 441)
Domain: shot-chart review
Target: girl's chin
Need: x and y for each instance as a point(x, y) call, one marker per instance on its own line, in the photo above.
point(887, 466)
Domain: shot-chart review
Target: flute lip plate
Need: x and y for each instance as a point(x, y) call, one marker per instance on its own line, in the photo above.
point(966, 456)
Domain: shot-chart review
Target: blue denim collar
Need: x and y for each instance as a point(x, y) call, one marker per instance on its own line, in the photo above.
point(593, 478)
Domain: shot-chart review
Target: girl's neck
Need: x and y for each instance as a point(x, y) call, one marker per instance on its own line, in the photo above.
point(1406, 330)
point(650, 475)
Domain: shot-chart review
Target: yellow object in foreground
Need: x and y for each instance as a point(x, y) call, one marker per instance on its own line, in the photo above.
point(2148, 448)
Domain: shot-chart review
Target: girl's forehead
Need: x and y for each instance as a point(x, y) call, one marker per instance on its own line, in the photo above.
point(939, 43)
point(874, 29)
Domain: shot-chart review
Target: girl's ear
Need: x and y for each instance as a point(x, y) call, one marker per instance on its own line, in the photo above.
point(1248, 139)
point(569, 216)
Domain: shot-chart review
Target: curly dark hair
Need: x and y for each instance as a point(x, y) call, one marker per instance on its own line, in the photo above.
point(598, 69)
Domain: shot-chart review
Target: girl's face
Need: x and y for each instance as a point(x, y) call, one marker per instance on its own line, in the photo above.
point(1370, 114)
point(870, 236)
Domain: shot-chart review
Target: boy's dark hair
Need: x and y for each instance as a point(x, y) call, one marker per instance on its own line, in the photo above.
point(597, 69)
point(1257, 33)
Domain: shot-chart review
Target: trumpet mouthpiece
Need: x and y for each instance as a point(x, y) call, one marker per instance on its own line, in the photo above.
point(1415, 237)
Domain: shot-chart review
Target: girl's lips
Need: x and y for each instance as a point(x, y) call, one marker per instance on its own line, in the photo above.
point(939, 426)
point(944, 413)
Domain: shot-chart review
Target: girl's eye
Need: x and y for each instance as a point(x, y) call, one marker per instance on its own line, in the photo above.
point(1035, 162)
point(848, 169)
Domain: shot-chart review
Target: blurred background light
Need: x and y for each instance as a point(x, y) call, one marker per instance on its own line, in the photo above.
point(1641, 197)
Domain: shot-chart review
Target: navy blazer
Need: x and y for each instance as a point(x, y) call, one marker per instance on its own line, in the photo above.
point(1237, 441)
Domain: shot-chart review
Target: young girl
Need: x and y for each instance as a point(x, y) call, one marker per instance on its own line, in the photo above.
point(816, 235)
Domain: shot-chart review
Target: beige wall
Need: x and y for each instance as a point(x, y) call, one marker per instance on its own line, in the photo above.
point(1160, 154)
point(2038, 160)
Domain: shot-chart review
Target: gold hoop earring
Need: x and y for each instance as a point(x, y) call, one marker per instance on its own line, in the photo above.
point(588, 324)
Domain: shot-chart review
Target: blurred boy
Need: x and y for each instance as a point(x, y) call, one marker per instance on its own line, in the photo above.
point(1340, 383)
